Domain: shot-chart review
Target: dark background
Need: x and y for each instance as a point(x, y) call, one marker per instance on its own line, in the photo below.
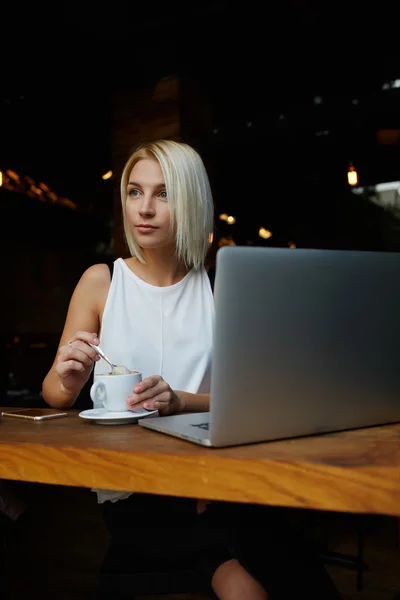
point(295, 92)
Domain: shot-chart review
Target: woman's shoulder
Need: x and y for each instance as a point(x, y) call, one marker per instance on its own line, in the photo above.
point(97, 276)
point(94, 285)
point(97, 273)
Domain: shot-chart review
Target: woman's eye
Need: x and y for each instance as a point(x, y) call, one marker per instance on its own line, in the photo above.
point(164, 194)
point(133, 193)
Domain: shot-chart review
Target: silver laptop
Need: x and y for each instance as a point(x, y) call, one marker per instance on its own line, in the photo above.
point(306, 342)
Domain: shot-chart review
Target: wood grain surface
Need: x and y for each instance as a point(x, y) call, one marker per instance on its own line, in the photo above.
point(355, 471)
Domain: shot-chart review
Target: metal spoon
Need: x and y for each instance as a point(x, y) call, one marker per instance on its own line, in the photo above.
point(116, 369)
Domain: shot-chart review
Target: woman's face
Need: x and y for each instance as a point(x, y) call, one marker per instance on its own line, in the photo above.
point(146, 208)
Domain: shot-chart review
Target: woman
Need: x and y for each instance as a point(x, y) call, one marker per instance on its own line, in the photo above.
point(156, 315)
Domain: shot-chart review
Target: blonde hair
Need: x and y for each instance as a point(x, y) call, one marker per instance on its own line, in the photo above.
point(189, 195)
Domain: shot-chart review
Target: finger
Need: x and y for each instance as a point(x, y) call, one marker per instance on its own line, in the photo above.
point(69, 366)
point(147, 383)
point(85, 336)
point(164, 408)
point(159, 402)
point(137, 407)
point(68, 353)
point(150, 393)
point(85, 348)
point(149, 405)
point(134, 404)
point(78, 355)
point(137, 400)
point(134, 401)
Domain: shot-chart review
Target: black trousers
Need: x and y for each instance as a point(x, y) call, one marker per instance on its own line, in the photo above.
point(168, 532)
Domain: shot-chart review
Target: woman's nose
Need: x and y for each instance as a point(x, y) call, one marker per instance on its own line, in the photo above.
point(147, 208)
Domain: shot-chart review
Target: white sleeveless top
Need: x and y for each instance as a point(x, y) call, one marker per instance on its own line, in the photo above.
point(156, 330)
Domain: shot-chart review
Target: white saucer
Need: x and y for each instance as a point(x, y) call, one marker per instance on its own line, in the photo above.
point(105, 417)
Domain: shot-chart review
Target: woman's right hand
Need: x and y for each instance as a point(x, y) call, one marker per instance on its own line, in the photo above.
point(75, 361)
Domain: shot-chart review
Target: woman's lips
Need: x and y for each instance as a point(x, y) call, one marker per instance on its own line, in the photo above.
point(146, 228)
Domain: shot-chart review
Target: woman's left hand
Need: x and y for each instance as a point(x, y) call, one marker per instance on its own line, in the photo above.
point(153, 393)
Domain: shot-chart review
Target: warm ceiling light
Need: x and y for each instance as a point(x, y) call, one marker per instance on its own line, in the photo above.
point(265, 234)
point(210, 238)
point(352, 176)
point(36, 190)
point(1, 178)
point(231, 220)
point(13, 175)
point(292, 245)
point(223, 217)
point(107, 175)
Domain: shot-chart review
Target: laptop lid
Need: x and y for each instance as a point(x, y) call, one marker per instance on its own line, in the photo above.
point(306, 342)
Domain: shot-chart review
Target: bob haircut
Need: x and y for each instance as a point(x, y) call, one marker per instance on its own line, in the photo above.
point(189, 195)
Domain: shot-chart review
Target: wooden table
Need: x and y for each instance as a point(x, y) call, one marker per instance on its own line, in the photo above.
point(356, 471)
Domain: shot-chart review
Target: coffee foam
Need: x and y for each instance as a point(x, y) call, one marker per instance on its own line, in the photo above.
point(111, 374)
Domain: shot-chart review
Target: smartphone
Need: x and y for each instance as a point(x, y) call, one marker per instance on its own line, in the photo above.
point(33, 414)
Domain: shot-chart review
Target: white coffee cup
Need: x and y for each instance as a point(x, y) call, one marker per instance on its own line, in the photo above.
point(111, 391)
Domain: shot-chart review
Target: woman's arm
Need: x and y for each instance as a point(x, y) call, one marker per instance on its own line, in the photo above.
point(73, 365)
point(193, 402)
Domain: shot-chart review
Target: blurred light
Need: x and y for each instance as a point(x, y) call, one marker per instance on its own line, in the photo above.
point(265, 234)
point(292, 245)
point(210, 238)
point(388, 186)
point(107, 175)
point(388, 136)
point(226, 241)
point(67, 202)
point(231, 220)
point(223, 217)
point(389, 85)
point(12, 174)
point(352, 176)
point(10, 180)
point(385, 194)
point(36, 190)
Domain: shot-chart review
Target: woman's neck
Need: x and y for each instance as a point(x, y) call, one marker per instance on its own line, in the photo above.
point(161, 269)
